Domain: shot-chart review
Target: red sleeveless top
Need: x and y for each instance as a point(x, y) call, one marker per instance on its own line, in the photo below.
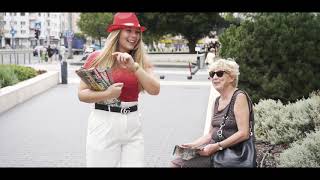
point(130, 89)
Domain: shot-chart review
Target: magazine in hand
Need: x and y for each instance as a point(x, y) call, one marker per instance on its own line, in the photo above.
point(186, 153)
point(98, 79)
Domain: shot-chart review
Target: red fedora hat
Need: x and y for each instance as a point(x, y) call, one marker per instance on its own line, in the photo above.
point(122, 20)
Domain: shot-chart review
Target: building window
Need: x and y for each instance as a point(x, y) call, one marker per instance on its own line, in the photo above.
point(22, 14)
point(39, 14)
point(23, 31)
point(48, 14)
point(23, 23)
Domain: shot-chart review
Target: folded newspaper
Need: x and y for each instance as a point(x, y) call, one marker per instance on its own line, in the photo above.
point(185, 153)
point(98, 79)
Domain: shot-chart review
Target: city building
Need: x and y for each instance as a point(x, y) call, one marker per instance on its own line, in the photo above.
point(18, 30)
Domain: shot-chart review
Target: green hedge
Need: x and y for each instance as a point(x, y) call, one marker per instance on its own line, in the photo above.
point(23, 72)
point(303, 153)
point(277, 123)
point(7, 76)
point(12, 74)
point(278, 54)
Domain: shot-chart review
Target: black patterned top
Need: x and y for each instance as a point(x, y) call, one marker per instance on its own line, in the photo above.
point(230, 124)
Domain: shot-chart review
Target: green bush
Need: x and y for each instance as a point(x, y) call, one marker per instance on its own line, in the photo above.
point(12, 74)
point(313, 109)
point(278, 54)
point(23, 72)
point(277, 123)
point(7, 76)
point(302, 153)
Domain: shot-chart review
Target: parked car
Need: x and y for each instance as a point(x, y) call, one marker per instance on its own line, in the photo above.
point(89, 50)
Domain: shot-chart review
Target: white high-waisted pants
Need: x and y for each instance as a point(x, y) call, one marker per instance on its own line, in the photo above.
point(115, 139)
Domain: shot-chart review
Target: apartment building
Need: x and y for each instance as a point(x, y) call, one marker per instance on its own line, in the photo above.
point(18, 29)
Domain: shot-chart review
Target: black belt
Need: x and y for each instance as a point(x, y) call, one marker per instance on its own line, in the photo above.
point(125, 110)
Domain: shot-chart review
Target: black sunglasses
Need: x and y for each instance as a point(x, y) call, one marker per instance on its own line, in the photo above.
point(219, 73)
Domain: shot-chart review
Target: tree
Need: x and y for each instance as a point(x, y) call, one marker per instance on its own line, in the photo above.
point(278, 54)
point(192, 26)
point(95, 24)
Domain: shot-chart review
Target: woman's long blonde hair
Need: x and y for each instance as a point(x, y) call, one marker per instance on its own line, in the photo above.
point(105, 58)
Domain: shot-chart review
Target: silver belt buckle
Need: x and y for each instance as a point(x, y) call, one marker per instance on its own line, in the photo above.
point(125, 110)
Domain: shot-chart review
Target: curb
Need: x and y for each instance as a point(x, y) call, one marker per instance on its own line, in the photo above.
point(11, 96)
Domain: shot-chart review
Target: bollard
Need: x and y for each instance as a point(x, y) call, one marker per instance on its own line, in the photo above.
point(64, 72)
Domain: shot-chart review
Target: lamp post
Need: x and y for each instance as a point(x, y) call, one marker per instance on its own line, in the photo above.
point(69, 37)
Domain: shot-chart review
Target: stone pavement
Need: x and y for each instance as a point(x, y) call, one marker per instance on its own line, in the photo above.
point(49, 130)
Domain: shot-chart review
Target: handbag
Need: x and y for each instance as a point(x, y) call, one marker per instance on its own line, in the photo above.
point(241, 155)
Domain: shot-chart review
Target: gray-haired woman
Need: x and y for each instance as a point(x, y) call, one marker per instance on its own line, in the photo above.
point(224, 74)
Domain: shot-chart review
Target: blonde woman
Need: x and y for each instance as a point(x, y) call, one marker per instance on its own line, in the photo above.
point(114, 136)
point(236, 104)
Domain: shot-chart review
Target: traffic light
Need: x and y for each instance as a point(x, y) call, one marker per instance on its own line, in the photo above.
point(36, 34)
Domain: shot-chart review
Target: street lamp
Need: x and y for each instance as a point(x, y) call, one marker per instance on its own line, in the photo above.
point(70, 36)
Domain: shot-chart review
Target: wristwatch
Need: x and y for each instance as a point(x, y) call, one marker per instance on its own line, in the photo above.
point(220, 147)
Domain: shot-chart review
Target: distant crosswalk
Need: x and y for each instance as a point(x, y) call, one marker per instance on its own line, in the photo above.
point(76, 80)
point(166, 83)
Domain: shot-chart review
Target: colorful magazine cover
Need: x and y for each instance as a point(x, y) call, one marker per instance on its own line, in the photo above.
point(98, 79)
point(185, 153)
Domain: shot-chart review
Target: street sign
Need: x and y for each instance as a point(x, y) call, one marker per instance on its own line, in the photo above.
point(69, 34)
point(37, 25)
point(13, 31)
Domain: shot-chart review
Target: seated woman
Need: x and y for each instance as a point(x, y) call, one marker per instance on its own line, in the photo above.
point(224, 75)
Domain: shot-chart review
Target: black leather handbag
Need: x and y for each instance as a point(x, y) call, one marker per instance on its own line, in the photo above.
point(241, 155)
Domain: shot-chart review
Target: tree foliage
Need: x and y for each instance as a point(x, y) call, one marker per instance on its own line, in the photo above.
point(278, 54)
point(192, 26)
point(95, 24)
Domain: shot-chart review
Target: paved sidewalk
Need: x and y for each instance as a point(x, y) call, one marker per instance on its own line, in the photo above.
point(49, 130)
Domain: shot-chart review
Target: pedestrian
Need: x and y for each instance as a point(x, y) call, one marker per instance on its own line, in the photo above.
point(114, 134)
point(235, 130)
point(210, 56)
point(61, 51)
point(55, 52)
point(44, 56)
point(50, 54)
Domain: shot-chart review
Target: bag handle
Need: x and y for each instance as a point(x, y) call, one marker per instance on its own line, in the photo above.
point(226, 116)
